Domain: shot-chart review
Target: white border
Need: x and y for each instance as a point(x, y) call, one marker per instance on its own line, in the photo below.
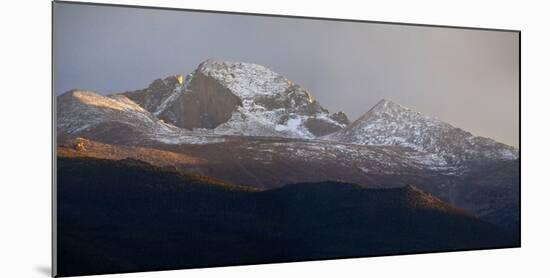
point(25, 137)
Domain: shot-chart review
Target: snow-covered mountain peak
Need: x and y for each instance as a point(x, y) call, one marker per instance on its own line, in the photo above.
point(245, 79)
point(387, 105)
point(270, 104)
point(391, 124)
point(386, 108)
point(239, 99)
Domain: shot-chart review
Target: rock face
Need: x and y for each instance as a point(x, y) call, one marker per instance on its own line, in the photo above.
point(391, 124)
point(205, 103)
point(153, 97)
point(239, 99)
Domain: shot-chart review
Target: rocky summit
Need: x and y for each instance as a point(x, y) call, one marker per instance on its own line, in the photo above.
point(239, 99)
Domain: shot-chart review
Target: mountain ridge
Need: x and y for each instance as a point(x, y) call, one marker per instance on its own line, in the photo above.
point(389, 123)
point(116, 119)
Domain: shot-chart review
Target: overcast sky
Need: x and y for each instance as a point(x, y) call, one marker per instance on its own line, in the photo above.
point(468, 78)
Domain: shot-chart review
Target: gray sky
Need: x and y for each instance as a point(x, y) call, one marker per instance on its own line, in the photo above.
point(468, 78)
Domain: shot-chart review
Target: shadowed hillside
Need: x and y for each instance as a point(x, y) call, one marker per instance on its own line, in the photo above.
point(127, 215)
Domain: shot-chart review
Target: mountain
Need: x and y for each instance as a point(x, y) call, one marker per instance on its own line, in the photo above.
point(390, 124)
point(191, 124)
point(152, 218)
point(238, 99)
point(115, 119)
